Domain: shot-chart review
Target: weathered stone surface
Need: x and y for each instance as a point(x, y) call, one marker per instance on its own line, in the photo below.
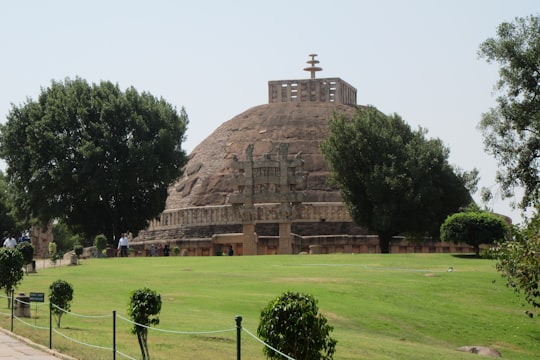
point(481, 350)
point(207, 177)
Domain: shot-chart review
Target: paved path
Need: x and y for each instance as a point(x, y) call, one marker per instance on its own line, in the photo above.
point(14, 347)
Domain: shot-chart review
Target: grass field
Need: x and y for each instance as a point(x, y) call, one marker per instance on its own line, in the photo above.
point(405, 306)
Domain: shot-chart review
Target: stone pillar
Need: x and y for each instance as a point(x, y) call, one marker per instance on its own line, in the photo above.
point(250, 240)
point(285, 241)
point(22, 306)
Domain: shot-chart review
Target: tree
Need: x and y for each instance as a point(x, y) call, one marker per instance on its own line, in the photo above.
point(11, 270)
point(519, 261)
point(94, 156)
point(60, 297)
point(27, 251)
point(292, 324)
point(474, 228)
point(511, 129)
point(144, 307)
point(392, 179)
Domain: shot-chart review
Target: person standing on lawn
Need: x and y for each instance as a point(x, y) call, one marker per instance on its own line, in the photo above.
point(123, 245)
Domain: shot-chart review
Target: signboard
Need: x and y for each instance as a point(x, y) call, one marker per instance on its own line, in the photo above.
point(37, 297)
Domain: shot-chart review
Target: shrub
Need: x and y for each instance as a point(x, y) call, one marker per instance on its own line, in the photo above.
point(52, 252)
point(291, 324)
point(100, 242)
point(27, 251)
point(78, 249)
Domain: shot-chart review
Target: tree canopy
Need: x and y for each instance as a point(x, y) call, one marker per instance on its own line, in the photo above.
point(511, 130)
point(474, 228)
point(393, 180)
point(97, 157)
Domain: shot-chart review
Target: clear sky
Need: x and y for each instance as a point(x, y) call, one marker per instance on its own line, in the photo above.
point(416, 58)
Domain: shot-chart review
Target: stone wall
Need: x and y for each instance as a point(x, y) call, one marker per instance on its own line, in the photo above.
point(265, 213)
point(327, 244)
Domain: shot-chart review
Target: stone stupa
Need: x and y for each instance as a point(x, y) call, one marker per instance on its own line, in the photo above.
point(199, 206)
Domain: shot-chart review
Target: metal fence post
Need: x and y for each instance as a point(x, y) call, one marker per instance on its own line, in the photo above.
point(238, 337)
point(50, 325)
point(114, 334)
point(12, 308)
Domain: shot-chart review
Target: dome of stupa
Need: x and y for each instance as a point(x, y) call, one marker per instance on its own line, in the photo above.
point(207, 178)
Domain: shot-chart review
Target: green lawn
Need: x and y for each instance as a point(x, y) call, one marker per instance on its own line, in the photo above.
point(381, 306)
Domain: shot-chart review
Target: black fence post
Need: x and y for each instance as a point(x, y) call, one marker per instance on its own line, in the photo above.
point(114, 334)
point(50, 325)
point(238, 337)
point(12, 308)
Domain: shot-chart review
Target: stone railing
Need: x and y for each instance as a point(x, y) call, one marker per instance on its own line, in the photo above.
point(264, 213)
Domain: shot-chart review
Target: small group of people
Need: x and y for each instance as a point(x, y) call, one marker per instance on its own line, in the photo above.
point(166, 250)
point(123, 248)
point(11, 242)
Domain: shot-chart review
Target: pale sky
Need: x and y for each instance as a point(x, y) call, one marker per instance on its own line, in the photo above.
point(416, 58)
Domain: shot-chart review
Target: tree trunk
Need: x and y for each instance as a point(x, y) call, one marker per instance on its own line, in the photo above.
point(141, 344)
point(384, 243)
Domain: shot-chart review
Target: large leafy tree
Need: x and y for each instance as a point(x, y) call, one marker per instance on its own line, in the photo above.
point(511, 130)
point(393, 180)
point(97, 157)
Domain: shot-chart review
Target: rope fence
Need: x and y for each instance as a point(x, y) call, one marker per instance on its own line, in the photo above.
point(16, 303)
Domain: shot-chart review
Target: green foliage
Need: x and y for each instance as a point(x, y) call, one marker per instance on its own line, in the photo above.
point(98, 158)
point(11, 272)
point(518, 261)
point(176, 250)
point(511, 129)
point(27, 250)
point(293, 325)
point(53, 254)
point(60, 295)
point(62, 236)
point(474, 228)
point(7, 218)
point(78, 249)
point(100, 242)
point(393, 179)
point(144, 307)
